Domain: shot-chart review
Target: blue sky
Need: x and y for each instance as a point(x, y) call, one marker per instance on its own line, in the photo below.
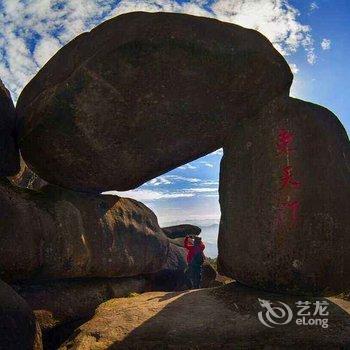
point(327, 82)
point(313, 36)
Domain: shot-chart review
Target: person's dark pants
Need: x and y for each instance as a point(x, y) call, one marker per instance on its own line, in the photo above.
point(195, 275)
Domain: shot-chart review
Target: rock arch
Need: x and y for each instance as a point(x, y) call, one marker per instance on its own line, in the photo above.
point(144, 93)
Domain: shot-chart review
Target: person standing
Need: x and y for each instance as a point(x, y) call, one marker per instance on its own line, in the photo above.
point(195, 259)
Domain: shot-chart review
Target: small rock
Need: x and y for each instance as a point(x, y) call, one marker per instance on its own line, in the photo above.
point(180, 231)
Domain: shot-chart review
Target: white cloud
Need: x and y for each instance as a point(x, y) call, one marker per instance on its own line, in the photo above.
point(294, 68)
point(308, 44)
point(187, 166)
point(313, 6)
point(200, 189)
point(171, 179)
point(32, 31)
point(311, 57)
point(276, 19)
point(144, 195)
point(209, 182)
point(326, 44)
point(148, 195)
point(183, 178)
point(45, 49)
point(207, 164)
point(161, 180)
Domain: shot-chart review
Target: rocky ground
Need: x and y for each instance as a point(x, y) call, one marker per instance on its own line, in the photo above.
point(218, 318)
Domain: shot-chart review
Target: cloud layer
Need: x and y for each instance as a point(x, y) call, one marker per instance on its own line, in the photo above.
point(171, 186)
point(33, 30)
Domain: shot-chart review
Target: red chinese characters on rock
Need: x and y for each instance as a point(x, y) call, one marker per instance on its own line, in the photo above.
point(287, 178)
point(284, 147)
point(285, 138)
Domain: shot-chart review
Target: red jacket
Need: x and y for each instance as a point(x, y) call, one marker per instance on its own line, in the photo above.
point(192, 249)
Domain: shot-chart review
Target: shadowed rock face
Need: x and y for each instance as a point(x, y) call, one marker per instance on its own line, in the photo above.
point(61, 301)
point(219, 318)
point(172, 276)
point(142, 94)
point(18, 328)
point(61, 234)
point(9, 154)
point(284, 195)
point(209, 275)
point(180, 231)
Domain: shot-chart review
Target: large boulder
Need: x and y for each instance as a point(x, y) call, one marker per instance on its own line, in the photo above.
point(9, 154)
point(173, 276)
point(284, 195)
point(18, 327)
point(221, 318)
point(142, 94)
point(56, 233)
point(61, 301)
point(179, 231)
point(62, 305)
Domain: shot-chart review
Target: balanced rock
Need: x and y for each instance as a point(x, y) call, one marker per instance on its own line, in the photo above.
point(142, 94)
point(179, 231)
point(284, 195)
point(18, 327)
point(221, 318)
point(56, 233)
point(9, 154)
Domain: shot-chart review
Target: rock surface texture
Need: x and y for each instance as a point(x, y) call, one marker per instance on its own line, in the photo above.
point(9, 154)
point(219, 318)
point(18, 327)
point(284, 195)
point(209, 276)
point(57, 302)
point(25, 178)
point(172, 277)
point(123, 103)
point(62, 234)
point(180, 231)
